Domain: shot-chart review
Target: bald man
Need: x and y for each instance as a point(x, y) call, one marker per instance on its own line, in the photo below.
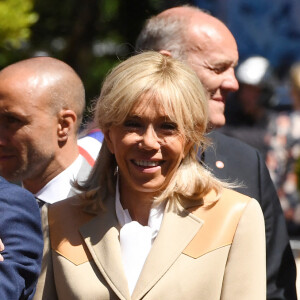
point(41, 105)
point(206, 44)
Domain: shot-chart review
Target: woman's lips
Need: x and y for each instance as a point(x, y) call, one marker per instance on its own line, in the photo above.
point(147, 163)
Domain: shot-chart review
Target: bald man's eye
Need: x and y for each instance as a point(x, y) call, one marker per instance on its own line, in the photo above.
point(12, 120)
point(220, 70)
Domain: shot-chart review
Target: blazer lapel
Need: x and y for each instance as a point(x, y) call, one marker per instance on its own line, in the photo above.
point(101, 236)
point(177, 230)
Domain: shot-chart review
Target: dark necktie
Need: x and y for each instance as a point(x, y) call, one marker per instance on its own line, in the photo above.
point(40, 202)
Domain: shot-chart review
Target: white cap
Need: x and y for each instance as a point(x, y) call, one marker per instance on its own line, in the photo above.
point(255, 70)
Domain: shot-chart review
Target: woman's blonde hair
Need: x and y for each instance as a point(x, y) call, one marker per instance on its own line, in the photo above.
point(177, 88)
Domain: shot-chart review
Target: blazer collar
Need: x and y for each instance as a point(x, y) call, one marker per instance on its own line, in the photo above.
point(177, 230)
point(101, 236)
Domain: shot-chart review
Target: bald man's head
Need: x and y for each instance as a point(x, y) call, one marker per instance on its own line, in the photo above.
point(58, 82)
point(204, 42)
point(170, 30)
point(41, 106)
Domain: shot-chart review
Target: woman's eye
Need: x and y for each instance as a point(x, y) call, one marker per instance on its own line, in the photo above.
point(169, 126)
point(131, 124)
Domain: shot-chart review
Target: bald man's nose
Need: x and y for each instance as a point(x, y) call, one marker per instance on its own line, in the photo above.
point(230, 82)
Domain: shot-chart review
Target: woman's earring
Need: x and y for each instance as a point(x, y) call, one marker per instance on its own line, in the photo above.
point(116, 171)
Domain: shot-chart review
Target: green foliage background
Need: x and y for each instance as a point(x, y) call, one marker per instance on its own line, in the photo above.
point(16, 17)
point(91, 36)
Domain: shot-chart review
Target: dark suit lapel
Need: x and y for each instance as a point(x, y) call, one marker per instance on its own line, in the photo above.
point(177, 230)
point(101, 236)
point(214, 158)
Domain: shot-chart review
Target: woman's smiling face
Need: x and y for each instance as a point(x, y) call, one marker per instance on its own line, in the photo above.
point(148, 147)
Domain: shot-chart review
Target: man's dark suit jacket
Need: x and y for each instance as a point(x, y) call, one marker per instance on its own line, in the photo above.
point(245, 164)
point(20, 230)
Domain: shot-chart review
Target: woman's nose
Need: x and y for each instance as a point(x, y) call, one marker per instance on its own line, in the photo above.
point(150, 139)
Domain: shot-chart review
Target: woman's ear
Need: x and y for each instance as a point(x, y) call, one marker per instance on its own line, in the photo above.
point(66, 124)
point(109, 143)
point(187, 148)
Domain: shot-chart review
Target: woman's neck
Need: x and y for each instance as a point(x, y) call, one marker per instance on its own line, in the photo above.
point(137, 203)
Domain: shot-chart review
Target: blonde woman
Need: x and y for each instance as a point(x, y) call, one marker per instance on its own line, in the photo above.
point(152, 223)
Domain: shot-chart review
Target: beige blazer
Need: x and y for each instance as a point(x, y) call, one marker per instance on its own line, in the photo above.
point(213, 253)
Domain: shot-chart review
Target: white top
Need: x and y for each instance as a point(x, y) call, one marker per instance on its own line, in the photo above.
point(60, 186)
point(136, 240)
point(91, 145)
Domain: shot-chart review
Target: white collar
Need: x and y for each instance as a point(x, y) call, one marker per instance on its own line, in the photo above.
point(136, 240)
point(155, 216)
point(59, 187)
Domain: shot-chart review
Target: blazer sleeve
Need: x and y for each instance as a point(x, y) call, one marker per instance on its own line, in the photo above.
point(45, 289)
point(245, 273)
point(20, 230)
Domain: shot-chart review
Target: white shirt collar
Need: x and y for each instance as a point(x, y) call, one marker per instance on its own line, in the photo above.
point(59, 187)
point(136, 240)
point(155, 216)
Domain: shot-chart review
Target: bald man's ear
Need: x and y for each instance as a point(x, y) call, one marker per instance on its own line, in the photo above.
point(67, 124)
point(165, 52)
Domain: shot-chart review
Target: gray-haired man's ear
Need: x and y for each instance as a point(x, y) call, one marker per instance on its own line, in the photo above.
point(165, 52)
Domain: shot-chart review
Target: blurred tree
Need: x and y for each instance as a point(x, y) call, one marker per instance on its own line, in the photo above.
point(90, 35)
point(16, 17)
